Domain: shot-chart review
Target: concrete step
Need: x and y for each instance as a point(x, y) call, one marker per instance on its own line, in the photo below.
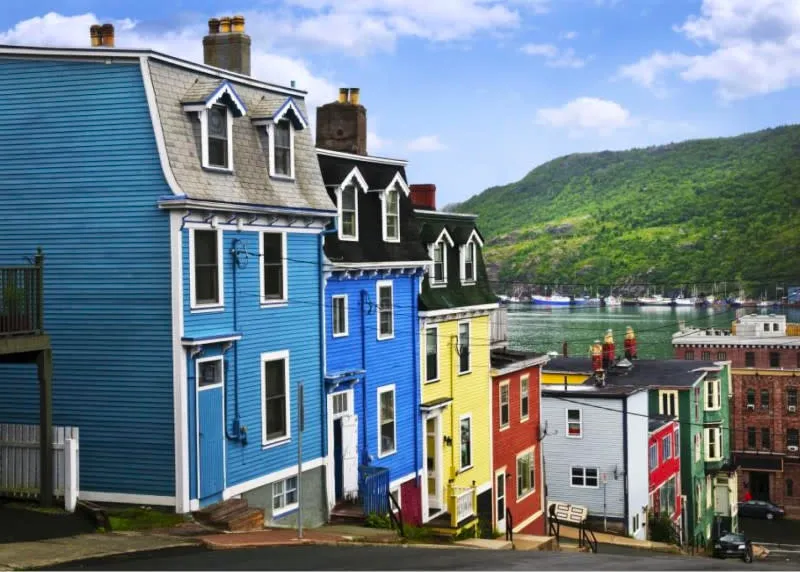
point(534, 542)
point(486, 543)
point(347, 513)
point(569, 545)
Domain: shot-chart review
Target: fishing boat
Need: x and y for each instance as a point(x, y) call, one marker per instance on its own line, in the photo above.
point(657, 300)
point(553, 300)
point(612, 300)
point(681, 301)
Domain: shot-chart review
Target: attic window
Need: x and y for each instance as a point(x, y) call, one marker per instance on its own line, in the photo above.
point(283, 149)
point(469, 262)
point(348, 209)
point(218, 137)
point(281, 125)
point(391, 216)
point(439, 263)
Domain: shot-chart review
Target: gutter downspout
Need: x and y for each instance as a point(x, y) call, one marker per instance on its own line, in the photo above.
point(237, 433)
point(625, 460)
point(453, 413)
point(365, 450)
point(416, 415)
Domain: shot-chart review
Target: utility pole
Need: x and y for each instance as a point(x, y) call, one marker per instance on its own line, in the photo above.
point(300, 426)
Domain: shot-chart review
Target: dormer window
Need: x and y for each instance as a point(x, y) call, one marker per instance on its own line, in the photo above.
point(469, 258)
point(283, 149)
point(439, 263)
point(391, 216)
point(218, 137)
point(469, 262)
point(348, 206)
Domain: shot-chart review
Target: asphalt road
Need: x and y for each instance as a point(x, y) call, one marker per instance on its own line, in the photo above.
point(781, 537)
point(405, 558)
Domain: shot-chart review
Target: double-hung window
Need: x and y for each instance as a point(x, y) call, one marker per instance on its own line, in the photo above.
point(713, 394)
point(340, 325)
point(526, 473)
point(584, 477)
point(282, 148)
point(505, 406)
point(391, 207)
point(348, 207)
point(574, 423)
point(463, 347)
point(275, 400)
point(387, 427)
point(666, 448)
point(207, 271)
point(749, 359)
point(469, 262)
point(668, 402)
point(466, 442)
point(766, 441)
point(273, 267)
point(524, 398)
point(284, 495)
point(653, 456)
point(751, 437)
point(218, 135)
point(385, 310)
point(765, 399)
point(713, 438)
point(774, 359)
point(432, 354)
point(791, 398)
point(440, 263)
point(793, 438)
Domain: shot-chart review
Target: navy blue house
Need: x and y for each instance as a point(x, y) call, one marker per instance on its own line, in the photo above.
point(181, 208)
point(374, 264)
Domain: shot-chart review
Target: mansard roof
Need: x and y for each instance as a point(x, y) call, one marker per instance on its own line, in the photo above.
point(208, 92)
point(378, 176)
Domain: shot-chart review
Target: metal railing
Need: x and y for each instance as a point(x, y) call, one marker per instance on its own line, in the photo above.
point(509, 525)
point(21, 298)
point(587, 538)
point(396, 515)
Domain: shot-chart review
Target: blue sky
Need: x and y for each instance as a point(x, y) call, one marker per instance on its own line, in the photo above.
point(476, 93)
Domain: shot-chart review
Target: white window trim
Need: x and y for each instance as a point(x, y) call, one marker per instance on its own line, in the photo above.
point(667, 392)
point(507, 385)
point(346, 316)
point(438, 362)
point(378, 285)
point(698, 446)
point(384, 202)
point(469, 354)
point(203, 116)
point(292, 150)
point(650, 449)
point(462, 250)
point(356, 179)
point(270, 302)
point(201, 360)
point(471, 441)
point(286, 508)
point(381, 390)
point(584, 485)
point(666, 452)
point(444, 239)
point(220, 274)
point(524, 378)
point(267, 357)
point(707, 436)
point(712, 387)
point(532, 452)
point(567, 422)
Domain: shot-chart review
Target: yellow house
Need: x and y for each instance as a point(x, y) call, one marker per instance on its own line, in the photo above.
point(455, 401)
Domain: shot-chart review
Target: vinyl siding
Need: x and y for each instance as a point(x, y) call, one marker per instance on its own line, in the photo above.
point(471, 394)
point(81, 177)
point(388, 362)
point(638, 462)
point(294, 327)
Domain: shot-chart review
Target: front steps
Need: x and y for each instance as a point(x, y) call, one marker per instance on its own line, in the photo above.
point(233, 515)
point(347, 513)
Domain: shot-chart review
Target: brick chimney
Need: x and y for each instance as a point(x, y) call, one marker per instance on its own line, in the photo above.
point(342, 124)
point(102, 36)
point(227, 46)
point(423, 196)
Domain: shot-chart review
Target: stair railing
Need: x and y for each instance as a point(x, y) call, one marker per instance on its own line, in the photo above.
point(509, 525)
point(587, 538)
point(396, 515)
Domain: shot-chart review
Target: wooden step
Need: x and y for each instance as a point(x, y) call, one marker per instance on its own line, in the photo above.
point(347, 513)
point(250, 519)
point(222, 510)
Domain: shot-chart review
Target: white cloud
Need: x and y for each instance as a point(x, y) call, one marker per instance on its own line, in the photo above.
point(426, 143)
point(554, 57)
point(570, 35)
point(753, 47)
point(73, 31)
point(376, 143)
point(586, 115)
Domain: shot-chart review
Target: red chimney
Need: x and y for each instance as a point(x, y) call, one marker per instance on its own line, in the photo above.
point(423, 196)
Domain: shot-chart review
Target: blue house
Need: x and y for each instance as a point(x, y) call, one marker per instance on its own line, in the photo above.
point(374, 264)
point(181, 208)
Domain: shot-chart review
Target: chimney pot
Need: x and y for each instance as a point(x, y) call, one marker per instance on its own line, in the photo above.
point(423, 196)
point(107, 35)
point(354, 95)
point(213, 26)
point(225, 25)
point(237, 23)
point(94, 35)
point(343, 96)
point(342, 127)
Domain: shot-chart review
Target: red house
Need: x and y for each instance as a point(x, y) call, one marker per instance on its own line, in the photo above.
point(665, 466)
point(517, 457)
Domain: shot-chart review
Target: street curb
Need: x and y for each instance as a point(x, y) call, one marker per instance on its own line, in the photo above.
point(313, 542)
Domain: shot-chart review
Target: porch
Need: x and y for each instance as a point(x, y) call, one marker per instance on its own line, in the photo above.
point(460, 515)
point(24, 341)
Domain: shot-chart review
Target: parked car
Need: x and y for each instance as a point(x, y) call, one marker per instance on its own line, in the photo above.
point(733, 545)
point(760, 509)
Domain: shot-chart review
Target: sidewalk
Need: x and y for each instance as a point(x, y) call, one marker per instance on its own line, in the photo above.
point(605, 538)
point(329, 534)
point(44, 553)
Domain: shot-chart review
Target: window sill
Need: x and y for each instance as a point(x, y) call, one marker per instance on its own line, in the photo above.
point(285, 510)
point(430, 381)
point(574, 436)
point(221, 170)
point(524, 419)
point(210, 309)
point(342, 335)
point(384, 338)
point(469, 371)
point(505, 428)
point(276, 443)
point(274, 303)
point(284, 178)
point(464, 469)
point(348, 238)
point(526, 495)
point(469, 282)
point(387, 454)
point(438, 284)
point(392, 240)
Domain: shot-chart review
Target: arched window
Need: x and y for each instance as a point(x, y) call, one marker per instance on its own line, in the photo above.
point(789, 488)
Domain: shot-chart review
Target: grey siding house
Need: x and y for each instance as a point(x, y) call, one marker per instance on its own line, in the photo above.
point(595, 453)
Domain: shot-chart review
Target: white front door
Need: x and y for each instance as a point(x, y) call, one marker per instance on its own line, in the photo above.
point(350, 456)
point(500, 499)
point(433, 462)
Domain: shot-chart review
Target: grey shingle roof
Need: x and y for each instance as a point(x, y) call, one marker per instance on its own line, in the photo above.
point(644, 373)
point(250, 182)
point(199, 91)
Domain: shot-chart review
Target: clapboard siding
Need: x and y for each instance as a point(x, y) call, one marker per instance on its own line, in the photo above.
point(387, 362)
point(294, 327)
point(81, 177)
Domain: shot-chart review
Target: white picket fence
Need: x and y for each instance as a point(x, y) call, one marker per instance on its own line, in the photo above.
point(19, 462)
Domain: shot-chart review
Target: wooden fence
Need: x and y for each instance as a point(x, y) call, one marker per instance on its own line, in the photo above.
point(19, 462)
point(373, 489)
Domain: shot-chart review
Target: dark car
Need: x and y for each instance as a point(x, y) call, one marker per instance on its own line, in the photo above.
point(733, 545)
point(760, 509)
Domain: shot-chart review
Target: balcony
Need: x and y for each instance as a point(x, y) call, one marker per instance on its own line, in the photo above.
point(21, 303)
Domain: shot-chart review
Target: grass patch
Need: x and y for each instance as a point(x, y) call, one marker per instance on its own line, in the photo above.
point(142, 518)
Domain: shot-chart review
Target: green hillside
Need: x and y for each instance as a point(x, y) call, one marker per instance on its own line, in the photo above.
point(699, 211)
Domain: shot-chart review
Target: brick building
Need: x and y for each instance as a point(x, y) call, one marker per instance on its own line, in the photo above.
point(765, 355)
